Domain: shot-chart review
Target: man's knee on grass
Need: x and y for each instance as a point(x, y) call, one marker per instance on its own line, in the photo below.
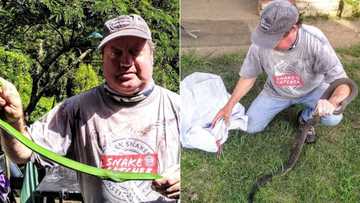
point(331, 120)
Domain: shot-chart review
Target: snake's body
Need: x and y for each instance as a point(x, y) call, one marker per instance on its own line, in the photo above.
point(293, 158)
point(77, 166)
point(302, 134)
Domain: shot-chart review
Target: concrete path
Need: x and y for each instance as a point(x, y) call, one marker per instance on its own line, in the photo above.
point(218, 27)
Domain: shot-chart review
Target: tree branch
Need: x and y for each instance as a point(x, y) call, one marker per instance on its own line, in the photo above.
point(62, 37)
point(64, 72)
point(50, 61)
point(72, 33)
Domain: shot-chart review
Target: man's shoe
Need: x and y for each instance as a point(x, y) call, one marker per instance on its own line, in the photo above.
point(311, 134)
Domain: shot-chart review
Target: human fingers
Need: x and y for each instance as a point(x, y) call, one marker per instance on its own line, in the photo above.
point(159, 182)
point(170, 176)
point(174, 195)
point(174, 191)
point(174, 187)
point(329, 107)
point(8, 92)
point(2, 102)
point(173, 181)
point(324, 107)
point(227, 119)
point(218, 116)
point(10, 101)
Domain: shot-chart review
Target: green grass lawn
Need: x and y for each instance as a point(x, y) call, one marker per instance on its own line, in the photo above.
point(327, 171)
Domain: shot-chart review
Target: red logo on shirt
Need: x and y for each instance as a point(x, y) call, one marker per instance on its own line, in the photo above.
point(138, 163)
point(288, 80)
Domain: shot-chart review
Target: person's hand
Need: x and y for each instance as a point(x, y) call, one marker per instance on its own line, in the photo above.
point(223, 113)
point(324, 108)
point(169, 185)
point(11, 110)
point(10, 102)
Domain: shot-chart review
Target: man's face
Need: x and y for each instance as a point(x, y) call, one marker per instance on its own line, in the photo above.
point(127, 64)
point(288, 40)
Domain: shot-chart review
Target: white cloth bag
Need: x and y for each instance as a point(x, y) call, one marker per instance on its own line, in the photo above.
point(202, 96)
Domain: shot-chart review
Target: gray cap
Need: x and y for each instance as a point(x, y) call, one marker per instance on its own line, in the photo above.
point(125, 25)
point(276, 19)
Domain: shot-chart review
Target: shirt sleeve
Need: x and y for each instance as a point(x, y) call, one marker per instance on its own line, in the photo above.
point(52, 132)
point(328, 63)
point(251, 66)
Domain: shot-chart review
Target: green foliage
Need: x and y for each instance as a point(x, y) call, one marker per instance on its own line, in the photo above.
point(44, 105)
point(167, 77)
point(85, 78)
point(355, 7)
point(15, 67)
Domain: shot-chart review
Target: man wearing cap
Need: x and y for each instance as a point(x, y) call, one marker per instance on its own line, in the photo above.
point(127, 124)
point(299, 62)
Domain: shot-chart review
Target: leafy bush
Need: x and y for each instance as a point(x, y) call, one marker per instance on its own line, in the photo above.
point(44, 105)
point(85, 78)
point(14, 67)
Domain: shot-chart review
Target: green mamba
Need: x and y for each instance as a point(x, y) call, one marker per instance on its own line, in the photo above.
point(77, 166)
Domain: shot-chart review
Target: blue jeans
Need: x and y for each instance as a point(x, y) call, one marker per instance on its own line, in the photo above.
point(264, 108)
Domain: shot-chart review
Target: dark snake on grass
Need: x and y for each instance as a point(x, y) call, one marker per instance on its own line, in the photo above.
point(301, 136)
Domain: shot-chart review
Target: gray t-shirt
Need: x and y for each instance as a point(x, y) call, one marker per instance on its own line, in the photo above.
point(296, 72)
point(94, 129)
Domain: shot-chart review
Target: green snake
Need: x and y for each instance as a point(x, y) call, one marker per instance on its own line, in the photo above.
point(301, 136)
point(69, 163)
